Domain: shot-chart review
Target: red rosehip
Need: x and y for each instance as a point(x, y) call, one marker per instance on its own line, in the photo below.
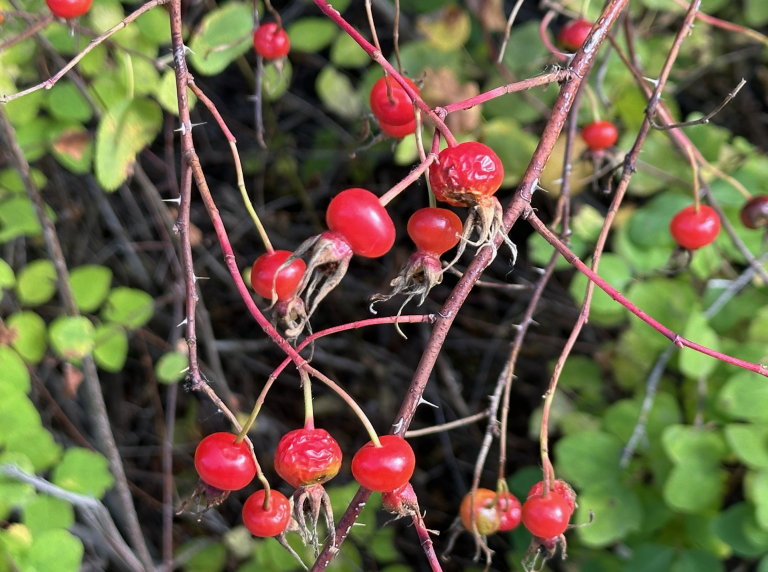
point(263, 274)
point(434, 230)
point(398, 131)
point(692, 229)
point(487, 514)
point(466, 174)
point(359, 217)
point(270, 522)
point(510, 511)
point(600, 135)
point(573, 34)
point(565, 490)
point(270, 42)
point(69, 8)
point(398, 110)
point(754, 214)
point(307, 457)
point(224, 464)
point(386, 468)
point(546, 517)
point(402, 501)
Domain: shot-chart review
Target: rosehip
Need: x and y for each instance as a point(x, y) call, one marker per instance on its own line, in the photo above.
point(466, 174)
point(69, 8)
point(565, 490)
point(307, 457)
point(402, 501)
point(599, 135)
point(754, 214)
point(357, 215)
point(396, 111)
point(510, 511)
point(224, 464)
point(398, 131)
point(386, 468)
point(269, 522)
point(487, 514)
point(270, 42)
point(263, 274)
point(546, 517)
point(692, 229)
point(434, 230)
point(573, 34)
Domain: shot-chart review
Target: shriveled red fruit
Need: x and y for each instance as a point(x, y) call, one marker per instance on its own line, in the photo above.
point(263, 274)
point(402, 501)
point(434, 230)
point(487, 514)
point(69, 8)
point(565, 490)
point(307, 457)
point(398, 110)
point(466, 174)
point(357, 215)
point(573, 34)
point(546, 517)
point(224, 464)
point(398, 131)
point(386, 468)
point(600, 135)
point(270, 42)
point(754, 214)
point(692, 229)
point(270, 522)
point(510, 511)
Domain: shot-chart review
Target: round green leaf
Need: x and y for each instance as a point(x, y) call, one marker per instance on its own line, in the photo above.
point(171, 367)
point(212, 558)
point(36, 283)
point(10, 180)
point(111, 347)
point(277, 79)
point(71, 337)
point(695, 364)
point(617, 511)
point(66, 102)
point(513, 145)
point(55, 550)
point(7, 277)
point(311, 34)
point(90, 285)
point(17, 415)
point(687, 444)
point(47, 513)
point(128, 307)
point(347, 53)
point(749, 443)
point(18, 218)
point(694, 487)
point(337, 93)
point(83, 471)
point(37, 443)
point(604, 310)
point(166, 93)
point(730, 526)
point(30, 336)
point(745, 396)
point(15, 373)
point(224, 34)
point(587, 458)
point(696, 560)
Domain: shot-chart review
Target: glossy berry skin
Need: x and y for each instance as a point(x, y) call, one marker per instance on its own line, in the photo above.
point(357, 215)
point(466, 174)
point(69, 8)
point(754, 214)
point(434, 230)
point(546, 517)
point(565, 490)
point(263, 273)
point(398, 131)
point(510, 511)
point(573, 34)
point(487, 515)
point(386, 468)
point(271, 43)
point(600, 135)
point(307, 457)
point(692, 229)
point(399, 111)
point(223, 464)
point(270, 522)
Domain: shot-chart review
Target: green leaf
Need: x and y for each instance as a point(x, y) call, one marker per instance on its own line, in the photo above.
point(72, 145)
point(647, 557)
point(71, 337)
point(66, 102)
point(604, 310)
point(14, 494)
point(756, 12)
point(37, 283)
point(277, 79)
point(55, 551)
point(512, 144)
point(47, 513)
point(37, 444)
point(30, 336)
point(212, 558)
point(687, 444)
point(128, 307)
point(745, 396)
point(90, 285)
point(347, 53)
point(111, 347)
point(621, 418)
point(7, 277)
point(171, 367)
point(697, 561)
point(15, 373)
point(166, 94)
point(671, 302)
point(155, 26)
point(695, 364)
point(758, 328)
point(224, 34)
point(121, 134)
point(730, 526)
point(337, 93)
point(10, 180)
point(649, 225)
point(83, 471)
point(588, 458)
point(749, 443)
point(694, 486)
point(17, 415)
point(311, 34)
point(756, 489)
point(617, 511)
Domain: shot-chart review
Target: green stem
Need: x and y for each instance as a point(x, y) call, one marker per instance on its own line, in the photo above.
point(309, 418)
point(247, 200)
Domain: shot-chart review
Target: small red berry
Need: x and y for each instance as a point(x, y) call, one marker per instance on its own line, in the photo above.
point(434, 230)
point(692, 229)
point(359, 217)
point(754, 214)
point(600, 135)
point(573, 34)
point(398, 110)
point(386, 468)
point(270, 42)
point(263, 274)
point(510, 511)
point(224, 464)
point(466, 174)
point(487, 514)
point(269, 522)
point(307, 457)
point(565, 490)
point(69, 8)
point(546, 517)
point(398, 131)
